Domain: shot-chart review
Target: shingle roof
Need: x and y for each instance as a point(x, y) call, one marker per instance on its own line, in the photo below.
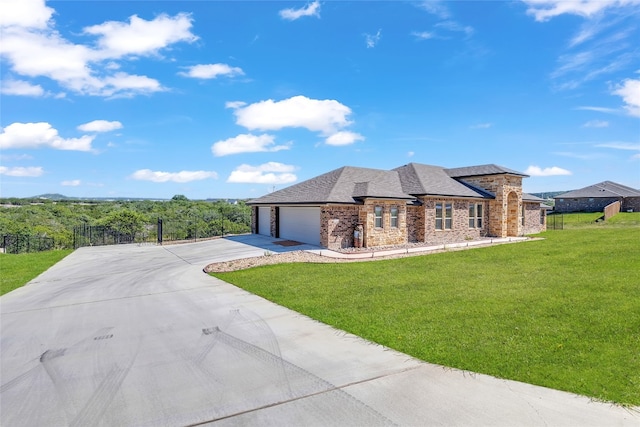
point(603, 189)
point(419, 179)
point(490, 169)
point(350, 184)
point(344, 185)
point(531, 198)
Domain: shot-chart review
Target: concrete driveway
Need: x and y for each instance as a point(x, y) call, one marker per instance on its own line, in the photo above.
point(140, 336)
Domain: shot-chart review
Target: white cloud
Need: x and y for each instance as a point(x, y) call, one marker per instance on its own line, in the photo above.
point(24, 14)
point(234, 104)
point(212, 71)
point(454, 26)
point(620, 146)
point(326, 116)
point(344, 138)
point(372, 39)
point(33, 48)
point(629, 90)
point(179, 177)
point(435, 7)
point(30, 172)
point(423, 35)
point(543, 10)
point(410, 154)
point(599, 109)
point(596, 124)
point(100, 126)
point(36, 135)
point(311, 9)
point(482, 126)
point(267, 173)
point(141, 37)
point(246, 143)
point(21, 88)
point(552, 171)
point(71, 183)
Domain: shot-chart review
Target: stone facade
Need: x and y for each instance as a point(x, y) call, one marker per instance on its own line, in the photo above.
point(337, 224)
point(387, 234)
point(505, 215)
point(534, 218)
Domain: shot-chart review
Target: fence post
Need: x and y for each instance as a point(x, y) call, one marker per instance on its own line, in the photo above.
point(159, 231)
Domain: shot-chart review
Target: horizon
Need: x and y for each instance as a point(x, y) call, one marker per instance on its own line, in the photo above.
point(229, 100)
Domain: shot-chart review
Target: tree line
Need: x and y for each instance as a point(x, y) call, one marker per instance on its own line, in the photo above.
point(57, 219)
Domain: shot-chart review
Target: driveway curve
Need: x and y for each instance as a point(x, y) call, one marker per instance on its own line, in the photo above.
point(139, 336)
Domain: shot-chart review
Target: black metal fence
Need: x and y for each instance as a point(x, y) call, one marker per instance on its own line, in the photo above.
point(18, 244)
point(163, 231)
point(555, 221)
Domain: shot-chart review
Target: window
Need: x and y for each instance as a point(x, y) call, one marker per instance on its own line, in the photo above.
point(444, 216)
point(475, 215)
point(394, 217)
point(377, 212)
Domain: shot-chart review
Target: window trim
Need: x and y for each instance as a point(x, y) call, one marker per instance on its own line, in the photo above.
point(475, 215)
point(377, 218)
point(393, 219)
point(444, 221)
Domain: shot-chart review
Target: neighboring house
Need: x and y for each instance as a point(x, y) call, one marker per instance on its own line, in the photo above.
point(412, 203)
point(595, 198)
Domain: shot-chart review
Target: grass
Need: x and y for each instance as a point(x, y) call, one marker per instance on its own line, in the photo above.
point(589, 220)
point(562, 312)
point(18, 270)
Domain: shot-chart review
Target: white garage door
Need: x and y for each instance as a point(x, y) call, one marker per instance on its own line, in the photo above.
point(264, 221)
point(301, 224)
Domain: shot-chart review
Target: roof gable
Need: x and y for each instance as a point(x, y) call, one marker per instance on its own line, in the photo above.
point(601, 190)
point(480, 170)
point(419, 179)
point(344, 185)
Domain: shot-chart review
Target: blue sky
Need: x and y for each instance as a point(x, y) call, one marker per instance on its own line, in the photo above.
point(232, 99)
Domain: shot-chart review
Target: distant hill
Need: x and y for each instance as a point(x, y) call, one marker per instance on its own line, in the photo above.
point(52, 196)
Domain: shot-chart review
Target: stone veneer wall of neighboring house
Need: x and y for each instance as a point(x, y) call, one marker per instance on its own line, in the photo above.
point(532, 219)
point(584, 204)
point(254, 219)
point(504, 220)
point(385, 235)
point(337, 224)
point(631, 203)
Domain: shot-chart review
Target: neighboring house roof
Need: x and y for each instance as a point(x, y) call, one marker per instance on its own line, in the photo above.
point(419, 179)
point(350, 184)
point(490, 169)
point(604, 189)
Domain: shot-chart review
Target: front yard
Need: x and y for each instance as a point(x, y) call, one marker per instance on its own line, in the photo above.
point(563, 312)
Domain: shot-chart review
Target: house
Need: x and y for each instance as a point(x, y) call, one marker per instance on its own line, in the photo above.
point(595, 198)
point(414, 203)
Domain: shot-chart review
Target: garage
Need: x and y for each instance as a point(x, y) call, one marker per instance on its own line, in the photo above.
point(264, 221)
point(301, 224)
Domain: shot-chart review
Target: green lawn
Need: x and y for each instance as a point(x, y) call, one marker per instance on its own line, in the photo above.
point(18, 270)
point(563, 312)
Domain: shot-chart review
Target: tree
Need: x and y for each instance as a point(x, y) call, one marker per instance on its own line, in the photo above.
point(179, 198)
point(125, 222)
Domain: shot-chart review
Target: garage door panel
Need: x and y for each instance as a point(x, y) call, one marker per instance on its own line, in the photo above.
point(301, 224)
point(264, 221)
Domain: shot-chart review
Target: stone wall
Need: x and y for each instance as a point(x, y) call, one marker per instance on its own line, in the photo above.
point(337, 223)
point(425, 222)
point(503, 216)
point(415, 224)
point(254, 219)
point(385, 235)
point(631, 203)
point(532, 223)
point(583, 204)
